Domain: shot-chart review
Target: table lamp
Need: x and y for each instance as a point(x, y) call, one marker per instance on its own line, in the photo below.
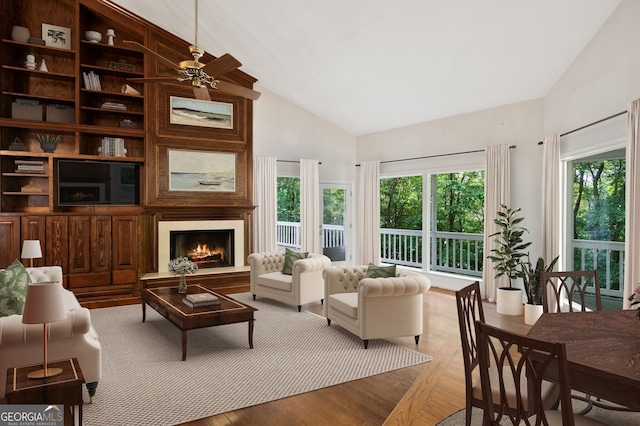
point(44, 304)
point(31, 250)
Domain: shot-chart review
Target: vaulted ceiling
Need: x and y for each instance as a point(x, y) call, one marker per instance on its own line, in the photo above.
point(372, 65)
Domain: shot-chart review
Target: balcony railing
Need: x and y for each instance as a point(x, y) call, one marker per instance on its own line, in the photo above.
point(463, 253)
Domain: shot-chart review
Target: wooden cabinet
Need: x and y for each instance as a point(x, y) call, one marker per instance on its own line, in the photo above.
point(61, 101)
point(10, 237)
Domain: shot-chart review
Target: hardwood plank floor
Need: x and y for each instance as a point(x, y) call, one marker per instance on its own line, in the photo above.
point(420, 395)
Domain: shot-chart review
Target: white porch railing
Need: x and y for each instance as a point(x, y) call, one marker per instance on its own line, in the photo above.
point(288, 234)
point(605, 256)
point(463, 253)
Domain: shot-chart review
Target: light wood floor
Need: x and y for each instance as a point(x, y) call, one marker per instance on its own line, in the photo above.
point(417, 395)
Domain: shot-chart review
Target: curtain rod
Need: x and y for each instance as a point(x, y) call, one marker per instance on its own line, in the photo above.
point(293, 161)
point(589, 125)
point(435, 155)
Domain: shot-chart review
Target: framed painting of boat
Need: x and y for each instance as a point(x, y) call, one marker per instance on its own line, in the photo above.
point(201, 171)
point(194, 112)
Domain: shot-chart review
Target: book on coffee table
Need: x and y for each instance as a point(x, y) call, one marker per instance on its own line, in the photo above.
point(199, 300)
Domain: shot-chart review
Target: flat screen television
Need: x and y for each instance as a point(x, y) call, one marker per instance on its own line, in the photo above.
point(84, 182)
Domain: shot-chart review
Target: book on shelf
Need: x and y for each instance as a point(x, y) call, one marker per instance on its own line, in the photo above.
point(91, 80)
point(30, 162)
point(199, 304)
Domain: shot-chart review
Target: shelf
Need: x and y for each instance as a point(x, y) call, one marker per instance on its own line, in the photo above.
point(36, 175)
point(43, 194)
point(40, 48)
point(112, 71)
point(111, 131)
point(37, 125)
point(115, 49)
point(112, 94)
point(42, 98)
point(91, 157)
point(41, 74)
point(112, 111)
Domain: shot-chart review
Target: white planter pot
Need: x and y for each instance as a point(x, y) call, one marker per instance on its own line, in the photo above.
point(532, 313)
point(509, 301)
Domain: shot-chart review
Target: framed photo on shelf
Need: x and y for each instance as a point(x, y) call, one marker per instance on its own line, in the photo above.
point(195, 112)
point(201, 171)
point(56, 36)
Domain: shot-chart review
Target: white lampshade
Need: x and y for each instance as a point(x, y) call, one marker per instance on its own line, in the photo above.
point(31, 249)
point(44, 303)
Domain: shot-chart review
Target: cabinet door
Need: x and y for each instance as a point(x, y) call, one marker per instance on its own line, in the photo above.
point(33, 229)
point(125, 249)
point(79, 244)
point(56, 244)
point(10, 240)
point(100, 243)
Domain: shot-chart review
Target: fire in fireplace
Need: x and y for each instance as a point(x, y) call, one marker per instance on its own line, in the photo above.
point(206, 248)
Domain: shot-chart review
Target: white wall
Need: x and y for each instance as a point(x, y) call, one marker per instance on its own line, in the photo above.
point(287, 132)
point(603, 78)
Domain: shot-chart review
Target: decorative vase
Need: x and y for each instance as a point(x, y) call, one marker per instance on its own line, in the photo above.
point(48, 147)
point(509, 301)
point(182, 287)
point(19, 33)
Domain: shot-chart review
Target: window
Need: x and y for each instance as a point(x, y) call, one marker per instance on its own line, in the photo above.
point(456, 222)
point(597, 222)
point(288, 226)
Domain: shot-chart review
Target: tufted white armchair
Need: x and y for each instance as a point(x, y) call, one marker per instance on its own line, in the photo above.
point(375, 308)
point(73, 337)
point(304, 285)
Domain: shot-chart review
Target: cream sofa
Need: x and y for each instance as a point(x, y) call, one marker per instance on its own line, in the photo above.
point(304, 285)
point(74, 337)
point(375, 308)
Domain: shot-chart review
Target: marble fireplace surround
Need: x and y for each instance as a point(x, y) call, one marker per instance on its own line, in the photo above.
point(165, 227)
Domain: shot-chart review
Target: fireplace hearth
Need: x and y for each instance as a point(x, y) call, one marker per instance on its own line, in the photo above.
point(206, 248)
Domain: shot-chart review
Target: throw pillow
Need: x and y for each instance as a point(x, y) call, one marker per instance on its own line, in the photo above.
point(13, 289)
point(291, 256)
point(375, 271)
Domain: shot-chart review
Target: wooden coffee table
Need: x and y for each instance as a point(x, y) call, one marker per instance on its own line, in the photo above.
point(168, 303)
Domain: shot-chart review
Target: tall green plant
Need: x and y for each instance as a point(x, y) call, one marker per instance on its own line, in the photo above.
point(533, 279)
point(511, 248)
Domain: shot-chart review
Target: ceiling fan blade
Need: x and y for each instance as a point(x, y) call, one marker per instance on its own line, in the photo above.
point(202, 93)
point(145, 49)
point(234, 89)
point(221, 65)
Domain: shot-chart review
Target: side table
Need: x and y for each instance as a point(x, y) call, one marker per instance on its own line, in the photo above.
point(65, 388)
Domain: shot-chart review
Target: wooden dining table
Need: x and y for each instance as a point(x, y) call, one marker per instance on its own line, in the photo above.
point(603, 351)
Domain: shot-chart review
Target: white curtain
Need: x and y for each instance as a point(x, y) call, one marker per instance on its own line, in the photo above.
point(265, 198)
point(310, 226)
point(551, 226)
point(496, 192)
point(368, 222)
point(632, 232)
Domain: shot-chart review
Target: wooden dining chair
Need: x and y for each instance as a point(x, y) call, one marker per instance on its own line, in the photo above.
point(523, 362)
point(574, 286)
point(470, 310)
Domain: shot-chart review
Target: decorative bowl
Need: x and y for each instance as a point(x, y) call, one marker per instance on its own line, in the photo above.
point(93, 36)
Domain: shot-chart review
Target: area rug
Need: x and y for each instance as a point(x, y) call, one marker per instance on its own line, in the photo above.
point(144, 381)
point(610, 417)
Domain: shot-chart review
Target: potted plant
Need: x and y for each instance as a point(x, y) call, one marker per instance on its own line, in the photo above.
point(48, 143)
point(533, 287)
point(507, 258)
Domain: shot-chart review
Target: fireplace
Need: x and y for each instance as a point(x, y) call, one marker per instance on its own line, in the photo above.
point(208, 243)
point(209, 248)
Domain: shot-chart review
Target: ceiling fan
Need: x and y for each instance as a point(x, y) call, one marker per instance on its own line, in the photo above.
point(198, 74)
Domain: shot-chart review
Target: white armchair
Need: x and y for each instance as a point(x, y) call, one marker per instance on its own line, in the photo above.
point(21, 344)
point(304, 285)
point(375, 308)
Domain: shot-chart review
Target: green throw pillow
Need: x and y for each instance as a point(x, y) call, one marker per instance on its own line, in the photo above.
point(13, 289)
point(291, 256)
point(375, 271)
